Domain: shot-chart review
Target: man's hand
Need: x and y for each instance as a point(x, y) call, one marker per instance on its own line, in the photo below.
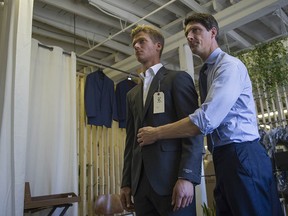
point(125, 197)
point(183, 194)
point(147, 135)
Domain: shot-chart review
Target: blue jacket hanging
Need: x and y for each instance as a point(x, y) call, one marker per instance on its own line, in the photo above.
point(99, 96)
point(120, 101)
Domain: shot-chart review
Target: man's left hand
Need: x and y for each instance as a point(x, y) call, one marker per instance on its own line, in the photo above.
point(183, 194)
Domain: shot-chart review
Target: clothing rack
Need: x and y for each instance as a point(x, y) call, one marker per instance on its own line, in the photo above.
point(104, 66)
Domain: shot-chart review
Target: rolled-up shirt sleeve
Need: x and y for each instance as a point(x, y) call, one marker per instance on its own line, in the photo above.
point(226, 84)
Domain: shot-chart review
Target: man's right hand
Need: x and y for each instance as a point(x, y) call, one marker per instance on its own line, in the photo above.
point(125, 197)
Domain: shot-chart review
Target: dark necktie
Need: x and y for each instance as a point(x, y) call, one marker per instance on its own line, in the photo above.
point(203, 93)
point(203, 83)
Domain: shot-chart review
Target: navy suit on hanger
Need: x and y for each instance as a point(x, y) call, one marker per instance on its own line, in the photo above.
point(99, 96)
point(122, 88)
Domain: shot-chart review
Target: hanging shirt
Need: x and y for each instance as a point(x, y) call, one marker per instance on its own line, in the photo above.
point(147, 78)
point(228, 111)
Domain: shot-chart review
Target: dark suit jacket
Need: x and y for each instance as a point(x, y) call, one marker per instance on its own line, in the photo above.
point(99, 96)
point(119, 110)
point(165, 160)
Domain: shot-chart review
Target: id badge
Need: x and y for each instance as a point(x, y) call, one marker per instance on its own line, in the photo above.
point(159, 102)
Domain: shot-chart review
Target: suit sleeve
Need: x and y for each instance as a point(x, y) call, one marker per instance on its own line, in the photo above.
point(89, 96)
point(186, 102)
point(130, 136)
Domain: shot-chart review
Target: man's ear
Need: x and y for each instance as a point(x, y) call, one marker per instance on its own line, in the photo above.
point(214, 32)
point(159, 46)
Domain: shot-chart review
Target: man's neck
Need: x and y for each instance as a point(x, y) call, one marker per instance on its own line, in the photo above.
point(150, 64)
point(205, 56)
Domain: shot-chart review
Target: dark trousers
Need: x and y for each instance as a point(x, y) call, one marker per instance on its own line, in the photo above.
point(245, 184)
point(148, 203)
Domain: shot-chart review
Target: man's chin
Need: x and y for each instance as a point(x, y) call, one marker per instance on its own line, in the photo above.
point(194, 49)
point(139, 59)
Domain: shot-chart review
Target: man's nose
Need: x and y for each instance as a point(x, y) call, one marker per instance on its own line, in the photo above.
point(136, 45)
point(190, 37)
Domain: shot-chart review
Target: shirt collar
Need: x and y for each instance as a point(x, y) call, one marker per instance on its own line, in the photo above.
point(213, 56)
point(152, 70)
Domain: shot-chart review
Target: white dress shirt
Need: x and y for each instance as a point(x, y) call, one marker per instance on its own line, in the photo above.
point(147, 78)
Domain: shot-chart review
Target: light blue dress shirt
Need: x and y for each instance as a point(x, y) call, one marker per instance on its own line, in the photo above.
point(228, 113)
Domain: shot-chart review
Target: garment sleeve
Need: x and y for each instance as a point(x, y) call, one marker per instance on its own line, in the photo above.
point(130, 136)
point(225, 89)
point(186, 102)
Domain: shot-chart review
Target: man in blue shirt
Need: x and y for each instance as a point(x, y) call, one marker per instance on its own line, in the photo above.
point(245, 185)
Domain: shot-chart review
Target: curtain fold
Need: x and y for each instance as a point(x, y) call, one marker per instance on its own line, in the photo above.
point(51, 159)
point(15, 47)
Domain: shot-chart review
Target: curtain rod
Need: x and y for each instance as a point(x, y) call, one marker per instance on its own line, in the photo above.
point(51, 49)
point(105, 66)
point(87, 60)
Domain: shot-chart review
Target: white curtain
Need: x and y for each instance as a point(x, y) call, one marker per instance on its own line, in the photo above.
point(44, 102)
point(15, 47)
point(51, 160)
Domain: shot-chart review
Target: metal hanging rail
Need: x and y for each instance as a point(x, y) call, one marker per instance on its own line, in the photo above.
point(104, 66)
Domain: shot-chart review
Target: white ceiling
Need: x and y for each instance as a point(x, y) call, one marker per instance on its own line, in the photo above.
point(98, 30)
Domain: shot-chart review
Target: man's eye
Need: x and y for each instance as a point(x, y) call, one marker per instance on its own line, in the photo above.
point(195, 30)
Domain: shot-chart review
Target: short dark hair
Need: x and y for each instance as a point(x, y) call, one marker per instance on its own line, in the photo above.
point(155, 35)
point(207, 20)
